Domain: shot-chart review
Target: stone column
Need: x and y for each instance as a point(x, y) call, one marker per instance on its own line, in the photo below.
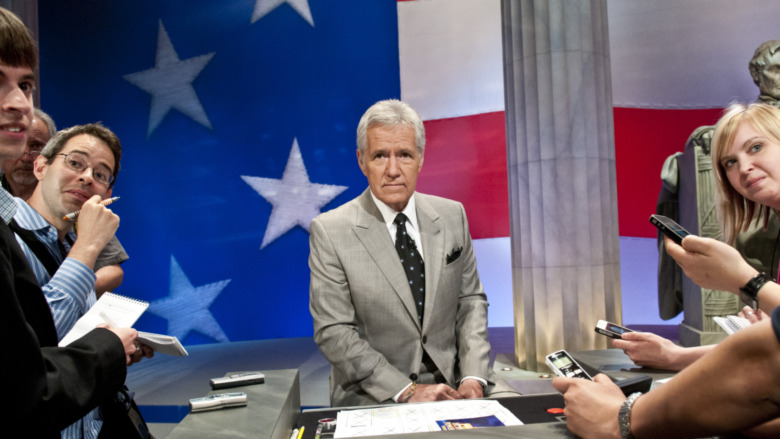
point(561, 159)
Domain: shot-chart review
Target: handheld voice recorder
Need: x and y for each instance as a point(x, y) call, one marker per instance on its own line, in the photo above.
point(564, 365)
point(610, 329)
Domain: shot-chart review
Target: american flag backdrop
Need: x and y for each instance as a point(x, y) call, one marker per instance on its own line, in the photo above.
point(238, 119)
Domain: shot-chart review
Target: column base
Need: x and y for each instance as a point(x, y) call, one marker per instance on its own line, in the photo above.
point(690, 336)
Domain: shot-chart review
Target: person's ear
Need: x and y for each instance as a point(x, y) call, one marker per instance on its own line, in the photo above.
point(361, 163)
point(40, 166)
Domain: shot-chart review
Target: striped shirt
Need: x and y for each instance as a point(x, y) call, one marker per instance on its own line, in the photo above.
point(70, 292)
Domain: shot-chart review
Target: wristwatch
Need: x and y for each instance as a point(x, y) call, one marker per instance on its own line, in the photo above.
point(624, 416)
point(749, 292)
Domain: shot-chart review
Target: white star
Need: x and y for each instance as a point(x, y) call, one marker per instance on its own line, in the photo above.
point(263, 7)
point(187, 307)
point(296, 200)
point(170, 83)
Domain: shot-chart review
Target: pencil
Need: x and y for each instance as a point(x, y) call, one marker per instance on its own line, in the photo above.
point(72, 216)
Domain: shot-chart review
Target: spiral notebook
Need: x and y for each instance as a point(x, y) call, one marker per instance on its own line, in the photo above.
point(732, 324)
point(122, 312)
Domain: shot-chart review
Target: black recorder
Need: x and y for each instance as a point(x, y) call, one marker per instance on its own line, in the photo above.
point(610, 329)
point(669, 227)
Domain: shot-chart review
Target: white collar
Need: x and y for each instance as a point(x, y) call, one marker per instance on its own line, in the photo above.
point(389, 214)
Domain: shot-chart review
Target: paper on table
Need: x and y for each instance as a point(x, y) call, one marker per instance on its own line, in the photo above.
point(415, 418)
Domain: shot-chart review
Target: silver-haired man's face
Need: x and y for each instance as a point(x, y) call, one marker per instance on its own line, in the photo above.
point(20, 171)
point(391, 164)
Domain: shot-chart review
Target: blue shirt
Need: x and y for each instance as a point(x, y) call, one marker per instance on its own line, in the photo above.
point(70, 292)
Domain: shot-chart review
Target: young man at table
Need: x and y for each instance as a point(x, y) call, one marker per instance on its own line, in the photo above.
point(47, 387)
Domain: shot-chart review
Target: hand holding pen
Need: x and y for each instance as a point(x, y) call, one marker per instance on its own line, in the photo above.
point(96, 226)
point(73, 215)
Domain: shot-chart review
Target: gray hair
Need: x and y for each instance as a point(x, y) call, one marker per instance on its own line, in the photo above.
point(390, 112)
point(50, 127)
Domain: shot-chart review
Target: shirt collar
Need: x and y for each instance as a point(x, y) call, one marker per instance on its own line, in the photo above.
point(29, 218)
point(389, 214)
point(7, 206)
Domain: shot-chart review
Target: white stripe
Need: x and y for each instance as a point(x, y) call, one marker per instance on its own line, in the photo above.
point(450, 57)
point(664, 53)
point(691, 54)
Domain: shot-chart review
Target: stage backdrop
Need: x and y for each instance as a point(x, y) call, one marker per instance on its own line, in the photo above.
point(238, 126)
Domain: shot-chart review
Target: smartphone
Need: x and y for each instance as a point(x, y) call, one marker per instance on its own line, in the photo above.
point(564, 365)
point(669, 227)
point(610, 329)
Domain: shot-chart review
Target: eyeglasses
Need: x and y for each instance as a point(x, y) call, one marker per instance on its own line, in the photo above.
point(33, 154)
point(76, 162)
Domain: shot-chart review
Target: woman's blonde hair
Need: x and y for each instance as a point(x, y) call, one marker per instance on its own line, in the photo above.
point(735, 211)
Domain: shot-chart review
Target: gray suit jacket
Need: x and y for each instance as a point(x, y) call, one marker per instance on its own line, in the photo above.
point(365, 321)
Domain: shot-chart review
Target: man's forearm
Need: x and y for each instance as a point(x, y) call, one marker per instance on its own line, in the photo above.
point(108, 279)
point(734, 387)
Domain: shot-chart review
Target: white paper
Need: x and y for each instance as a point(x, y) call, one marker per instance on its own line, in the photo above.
point(415, 418)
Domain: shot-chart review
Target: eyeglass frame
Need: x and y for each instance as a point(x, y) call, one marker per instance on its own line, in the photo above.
point(81, 158)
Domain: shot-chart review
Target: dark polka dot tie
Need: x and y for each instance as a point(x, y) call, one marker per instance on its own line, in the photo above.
point(412, 262)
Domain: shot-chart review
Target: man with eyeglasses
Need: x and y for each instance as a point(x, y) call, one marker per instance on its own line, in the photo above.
point(47, 387)
point(20, 181)
point(77, 164)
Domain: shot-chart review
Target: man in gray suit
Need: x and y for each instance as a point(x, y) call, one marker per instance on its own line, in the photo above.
point(382, 345)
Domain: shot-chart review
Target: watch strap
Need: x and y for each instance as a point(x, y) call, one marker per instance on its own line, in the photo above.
point(624, 416)
point(749, 292)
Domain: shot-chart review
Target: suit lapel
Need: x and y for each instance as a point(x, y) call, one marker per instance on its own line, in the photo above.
point(372, 233)
point(433, 252)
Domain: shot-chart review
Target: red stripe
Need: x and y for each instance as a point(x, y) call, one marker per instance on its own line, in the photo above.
point(643, 140)
point(465, 160)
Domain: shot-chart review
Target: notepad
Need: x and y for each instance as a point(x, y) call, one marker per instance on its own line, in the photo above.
point(732, 324)
point(122, 312)
point(118, 311)
point(164, 344)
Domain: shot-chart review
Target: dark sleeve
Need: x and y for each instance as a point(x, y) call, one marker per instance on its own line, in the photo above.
point(776, 322)
point(79, 377)
point(46, 389)
point(112, 254)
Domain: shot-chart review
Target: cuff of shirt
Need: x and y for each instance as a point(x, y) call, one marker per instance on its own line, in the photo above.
point(481, 380)
point(398, 395)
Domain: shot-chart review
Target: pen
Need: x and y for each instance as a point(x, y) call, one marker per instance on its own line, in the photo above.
point(72, 216)
point(318, 431)
point(300, 432)
point(294, 434)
